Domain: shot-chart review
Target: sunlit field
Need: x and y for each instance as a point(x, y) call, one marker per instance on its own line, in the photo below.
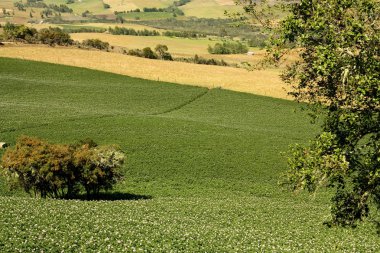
point(201, 174)
point(264, 82)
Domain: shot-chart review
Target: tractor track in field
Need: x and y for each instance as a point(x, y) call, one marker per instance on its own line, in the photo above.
point(180, 106)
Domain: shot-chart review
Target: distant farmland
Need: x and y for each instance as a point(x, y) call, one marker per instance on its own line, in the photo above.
point(265, 82)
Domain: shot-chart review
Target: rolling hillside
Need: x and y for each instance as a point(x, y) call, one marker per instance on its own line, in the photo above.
point(201, 175)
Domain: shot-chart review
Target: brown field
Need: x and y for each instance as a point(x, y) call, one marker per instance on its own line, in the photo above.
point(262, 82)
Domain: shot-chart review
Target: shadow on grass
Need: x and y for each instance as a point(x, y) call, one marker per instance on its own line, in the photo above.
point(110, 196)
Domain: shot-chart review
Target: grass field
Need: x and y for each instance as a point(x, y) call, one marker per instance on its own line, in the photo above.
point(204, 164)
point(263, 82)
point(209, 8)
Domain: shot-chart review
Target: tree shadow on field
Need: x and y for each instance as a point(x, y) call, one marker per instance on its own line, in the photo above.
point(111, 196)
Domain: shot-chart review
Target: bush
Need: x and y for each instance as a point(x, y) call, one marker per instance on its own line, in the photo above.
point(162, 51)
point(54, 36)
point(54, 170)
point(22, 33)
point(96, 43)
point(228, 47)
point(130, 31)
point(19, 33)
point(200, 60)
point(99, 167)
point(183, 34)
point(135, 52)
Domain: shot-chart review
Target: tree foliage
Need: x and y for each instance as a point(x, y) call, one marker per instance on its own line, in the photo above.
point(96, 43)
point(228, 47)
point(55, 170)
point(51, 35)
point(338, 76)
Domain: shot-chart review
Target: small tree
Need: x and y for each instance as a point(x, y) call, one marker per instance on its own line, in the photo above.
point(148, 53)
point(162, 51)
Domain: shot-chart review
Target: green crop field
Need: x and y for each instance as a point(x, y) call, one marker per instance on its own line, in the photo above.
point(94, 6)
point(201, 173)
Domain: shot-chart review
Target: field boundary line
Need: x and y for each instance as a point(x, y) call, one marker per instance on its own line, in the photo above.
point(180, 106)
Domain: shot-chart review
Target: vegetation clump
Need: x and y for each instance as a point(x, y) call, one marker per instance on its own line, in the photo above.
point(228, 47)
point(21, 33)
point(55, 170)
point(160, 52)
point(184, 34)
point(96, 43)
point(54, 36)
point(51, 36)
point(201, 60)
point(130, 31)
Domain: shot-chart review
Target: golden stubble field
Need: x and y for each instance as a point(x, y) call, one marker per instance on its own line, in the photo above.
point(262, 82)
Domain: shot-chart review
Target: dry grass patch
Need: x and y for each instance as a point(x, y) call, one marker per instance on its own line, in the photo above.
point(263, 82)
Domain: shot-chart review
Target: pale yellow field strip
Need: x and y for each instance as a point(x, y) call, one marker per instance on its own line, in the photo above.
point(263, 82)
point(176, 45)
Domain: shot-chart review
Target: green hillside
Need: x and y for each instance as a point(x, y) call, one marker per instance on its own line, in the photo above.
point(203, 164)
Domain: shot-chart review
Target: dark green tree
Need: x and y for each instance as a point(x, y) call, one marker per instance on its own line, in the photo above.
point(148, 53)
point(162, 51)
point(338, 76)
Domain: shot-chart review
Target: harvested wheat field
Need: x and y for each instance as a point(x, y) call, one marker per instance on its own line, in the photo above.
point(261, 82)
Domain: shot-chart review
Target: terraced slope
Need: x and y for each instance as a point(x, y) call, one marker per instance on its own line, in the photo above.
point(203, 163)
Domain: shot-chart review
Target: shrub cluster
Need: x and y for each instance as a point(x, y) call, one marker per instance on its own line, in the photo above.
point(54, 170)
point(181, 2)
point(171, 9)
point(54, 36)
point(201, 60)
point(96, 43)
point(160, 52)
point(50, 36)
point(228, 47)
point(130, 31)
point(184, 34)
point(62, 8)
point(20, 6)
point(84, 30)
